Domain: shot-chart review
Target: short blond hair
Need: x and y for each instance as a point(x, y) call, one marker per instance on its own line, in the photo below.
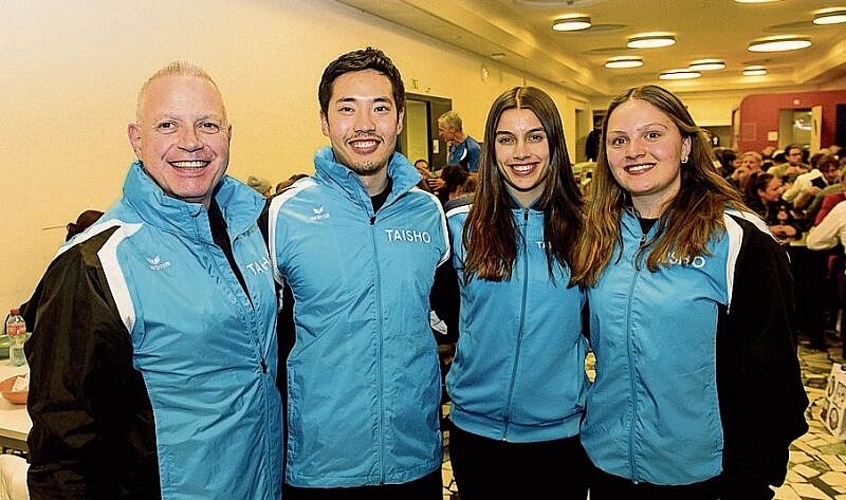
point(176, 68)
point(451, 120)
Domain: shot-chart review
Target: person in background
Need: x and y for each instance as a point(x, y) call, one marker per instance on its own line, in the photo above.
point(422, 167)
point(262, 186)
point(763, 195)
point(691, 317)
point(153, 354)
point(357, 247)
point(83, 221)
point(449, 183)
point(463, 149)
point(793, 164)
point(288, 182)
point(518, 380)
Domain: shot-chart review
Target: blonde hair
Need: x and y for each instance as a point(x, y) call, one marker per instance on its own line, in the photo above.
point(176, 68)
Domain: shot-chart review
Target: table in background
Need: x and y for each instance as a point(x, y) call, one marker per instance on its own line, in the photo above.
point(14, 419)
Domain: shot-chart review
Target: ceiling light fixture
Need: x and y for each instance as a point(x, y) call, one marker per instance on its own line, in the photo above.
point(571, 23)
point(651, 41)
point(679, 74)
point(498, 56)
point(830, 16)
point(624, 62)
point(707, 65)
point(779, 44)
point(754, 71)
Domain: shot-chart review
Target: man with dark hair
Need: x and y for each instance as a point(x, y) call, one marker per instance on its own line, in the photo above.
point(355, 248)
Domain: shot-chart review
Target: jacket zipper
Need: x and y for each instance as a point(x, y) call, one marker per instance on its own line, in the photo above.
point(524, 251)
point(632, 374)
point(378, 290)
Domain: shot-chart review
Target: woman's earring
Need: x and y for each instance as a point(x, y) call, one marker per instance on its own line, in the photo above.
point(684, 160)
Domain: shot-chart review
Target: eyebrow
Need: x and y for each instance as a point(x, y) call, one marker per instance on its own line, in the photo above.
point(365, 99)
point(642, 127)
point(530, 131)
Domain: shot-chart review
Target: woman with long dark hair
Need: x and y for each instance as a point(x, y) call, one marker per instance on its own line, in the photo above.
point(517, 382)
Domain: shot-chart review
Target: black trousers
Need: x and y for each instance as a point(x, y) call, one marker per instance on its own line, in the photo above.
point(604, 486)
point(487, 468)
point(429, 487)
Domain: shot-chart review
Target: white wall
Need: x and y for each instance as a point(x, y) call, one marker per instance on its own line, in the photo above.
point(70, 71)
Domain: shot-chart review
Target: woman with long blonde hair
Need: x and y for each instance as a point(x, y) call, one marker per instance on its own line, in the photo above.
point(697, 392)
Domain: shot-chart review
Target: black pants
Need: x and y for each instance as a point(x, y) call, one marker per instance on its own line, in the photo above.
point(429, 487)
point(487, 468)
point(604, 486)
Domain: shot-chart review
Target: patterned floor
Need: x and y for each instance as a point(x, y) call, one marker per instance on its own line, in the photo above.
point(817, 459)
point(817, 467)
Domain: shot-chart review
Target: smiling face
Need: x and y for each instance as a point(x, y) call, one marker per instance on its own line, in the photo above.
point(362, 121)
point(645, 148)
point(522, 154)
point(182, 137)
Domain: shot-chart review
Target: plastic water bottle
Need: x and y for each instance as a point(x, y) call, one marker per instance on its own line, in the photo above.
point(16, 330)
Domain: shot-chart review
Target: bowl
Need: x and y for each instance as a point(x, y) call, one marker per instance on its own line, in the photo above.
point(14, 397)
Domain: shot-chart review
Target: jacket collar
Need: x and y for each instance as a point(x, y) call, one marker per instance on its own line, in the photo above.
point(402, 173)
point(240, 205)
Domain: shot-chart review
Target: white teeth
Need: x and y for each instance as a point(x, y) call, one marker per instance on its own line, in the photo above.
point(364, 144)
point(638, 168)
point(189, 164)
point(522, 168)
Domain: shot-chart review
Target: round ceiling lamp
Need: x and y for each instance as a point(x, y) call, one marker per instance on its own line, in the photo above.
point(779, 44)
point(571, 23)
point(624, 62)
point(707, 65)
point(754, 71)
point(651, 41)
point(830, 16)
point(679, 74)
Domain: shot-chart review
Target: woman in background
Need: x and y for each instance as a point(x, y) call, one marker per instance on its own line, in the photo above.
point(697, 392)
point(517, 383)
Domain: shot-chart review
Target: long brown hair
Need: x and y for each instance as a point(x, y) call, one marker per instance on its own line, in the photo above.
point(687, 222)
point(490, 234)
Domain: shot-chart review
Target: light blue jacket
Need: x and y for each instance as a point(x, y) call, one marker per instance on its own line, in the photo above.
point(653, 410)
point(205, 350)
point(363, 376)
point(519, 370)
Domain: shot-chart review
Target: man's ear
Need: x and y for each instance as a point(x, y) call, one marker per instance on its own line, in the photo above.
point(324, 123)
point(400, 116)
point(133, 131)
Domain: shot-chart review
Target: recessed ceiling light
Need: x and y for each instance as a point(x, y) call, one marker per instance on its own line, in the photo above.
point(779, 44)
point(707, 65)
point(754, 71)
point(571, 23)
point(498, 56)
point(624, 62)
point(679, 74)
point(651, 41)
point(830, 16)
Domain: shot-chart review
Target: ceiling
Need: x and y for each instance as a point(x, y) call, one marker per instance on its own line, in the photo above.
point(518, 33)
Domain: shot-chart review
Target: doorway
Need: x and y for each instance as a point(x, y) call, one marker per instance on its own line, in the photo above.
point(419, 137)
